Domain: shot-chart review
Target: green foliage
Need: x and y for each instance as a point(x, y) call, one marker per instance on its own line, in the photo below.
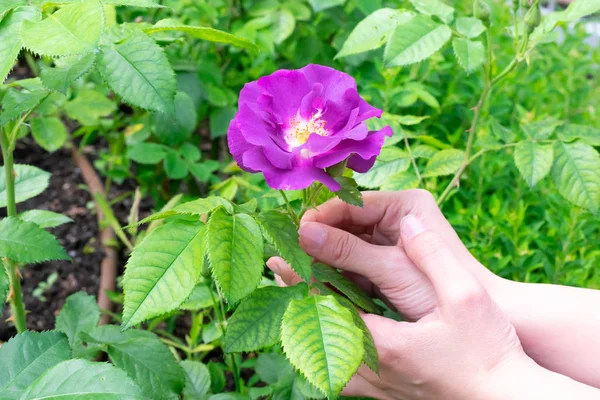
point(197, 379)
point(29, 182)
point(44, 218)
point(235, 250)
point(470, 54)
point(349, 191)
point(256, 323)
point(587, 134)
point(377, 175)
point(415, 40)
point(373, 31)
point(145, 358)
point(89, 106)
point(281, 231)
point(534, 160)
point(445, 162)
point(15, 103)
point(26, 242)
point(27, 356)
point(469, 27)
point(73, 29)
point(80, 313)
point(191, 208)
point(320, 5)
point(49, 132)
point(10, 40)
point(76, 379)
point(436, 8)
point(575, 174)
point(320, 339)
point(138, 71)
point(210, 34)
point(162, 271)
point(66, 71)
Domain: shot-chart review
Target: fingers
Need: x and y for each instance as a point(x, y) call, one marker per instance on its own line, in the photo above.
point(284, 274)
point(345, 251)
point(453, 284)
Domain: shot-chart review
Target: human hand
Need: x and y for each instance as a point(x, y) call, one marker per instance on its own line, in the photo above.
point(454, 351)
point(365, 243)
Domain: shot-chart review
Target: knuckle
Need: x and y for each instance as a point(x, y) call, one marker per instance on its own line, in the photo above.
point(470, 298)
point(343, 248)
point(423, 196)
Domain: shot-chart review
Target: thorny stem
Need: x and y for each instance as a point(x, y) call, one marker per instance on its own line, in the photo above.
point(16, 296)
point(290, 209)
point(489, 84)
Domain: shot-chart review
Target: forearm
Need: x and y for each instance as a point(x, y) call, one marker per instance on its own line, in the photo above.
point(529, 381)
point(559, 326)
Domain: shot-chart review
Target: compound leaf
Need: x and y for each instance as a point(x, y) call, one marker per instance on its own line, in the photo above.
point(435, 7)
point(162, 271)
point(138, 70)
point(66, 71)
point(27, 356)
point(281, 231)
point(587, 134)
point(575, 174)
point(196, 207)
point(205, 33)
point(73, 29)
point(415, 40)
point(470, 27)
point(10, 41)
point(256, 323)
point(79, 314)
point(82, 379)
point(235, 252)
point(29, 182)
point(26, 242)
point(533, 160)
point(15, 103)
point(321, 340)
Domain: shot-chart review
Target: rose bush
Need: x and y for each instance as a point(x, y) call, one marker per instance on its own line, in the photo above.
point(293, 124)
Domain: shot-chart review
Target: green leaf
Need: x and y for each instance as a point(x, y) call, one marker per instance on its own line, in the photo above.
point(15, 103)
point(10, 40)
point(349, 192)
point(190, 152)
point(205, 33)
point(44, 218)
point(7, 5)
point(175, 166)
point(320, 5)
point(220, 119)
point(138, 70)
point(424, 151)
point(4, 288)
point(435, 7)
point(162, 271)
point(66, 71)
point(29, 182)
point(235, 253)
point(373, 31)
point(197, 382)
point(256, 323)
point(280, 230)
point(73, 29)
point(533, 160)
point(175, 129)
point(409, 119)
point(27, 356)
point(147, 360)
point(283, 25)
point(470, 54)
point(401, 181)
point(326, 274)
point(195, 207)
point(147, 153)
point(134, 3)
point(575, 174)
point(380, 172)
point(79, 314)
point(49, 132)
point(470, 27)
point(415, 40)
point(82, 379)
point(371, 356)
point(445, 162)
point(321, 340)
point(89, 106)
point(502, 133)
point(201, 297)
point(273, 368)
point(541, 130)
point(26, 242)
point(587, 134)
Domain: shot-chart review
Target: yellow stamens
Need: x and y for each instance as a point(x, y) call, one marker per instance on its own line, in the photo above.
point(300, 129)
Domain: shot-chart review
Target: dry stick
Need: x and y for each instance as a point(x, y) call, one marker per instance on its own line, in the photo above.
point(108, 268)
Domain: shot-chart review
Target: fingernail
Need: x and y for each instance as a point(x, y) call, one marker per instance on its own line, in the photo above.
point(312, 235)
point(411, 226)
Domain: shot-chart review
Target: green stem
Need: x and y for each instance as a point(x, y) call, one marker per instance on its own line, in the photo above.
point(290, 209)
point(412, 160)
point(16, 296)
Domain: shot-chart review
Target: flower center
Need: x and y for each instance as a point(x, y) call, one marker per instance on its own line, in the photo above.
point(300, 129)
